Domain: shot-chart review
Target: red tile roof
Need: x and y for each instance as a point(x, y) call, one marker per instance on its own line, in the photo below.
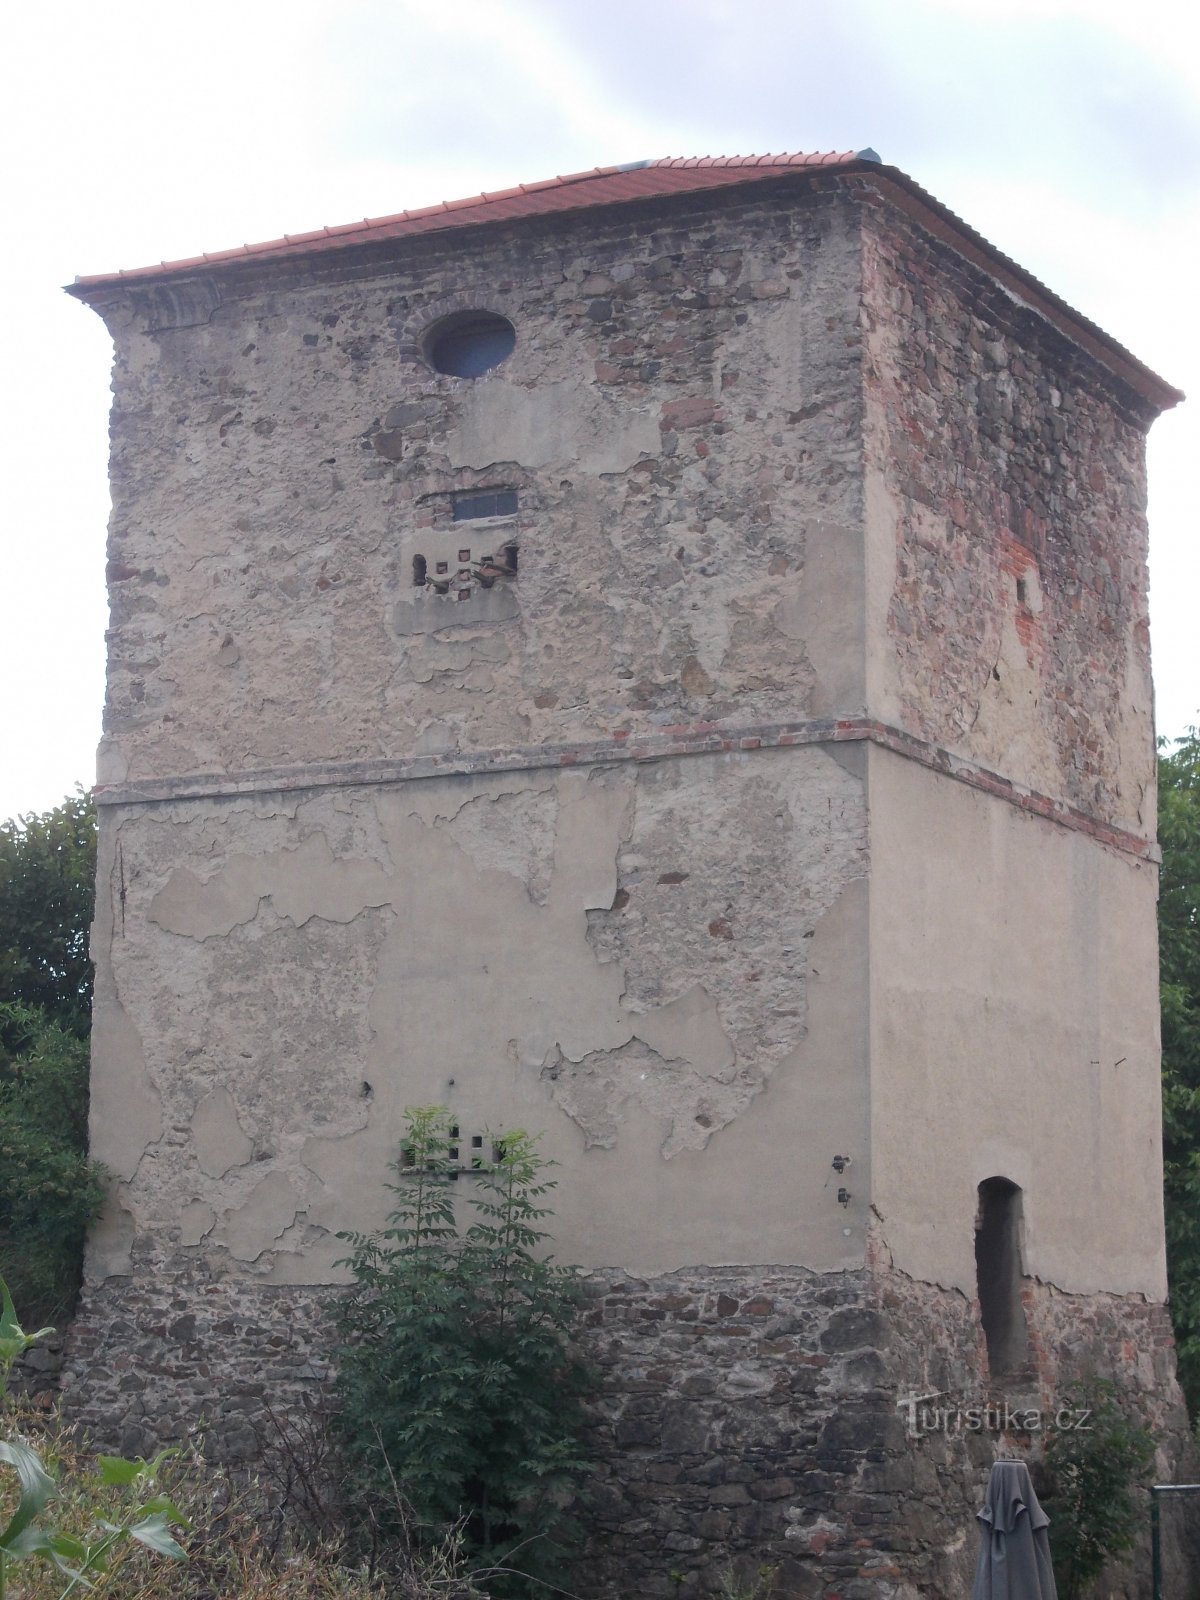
point(671, 175)
point(600, 186)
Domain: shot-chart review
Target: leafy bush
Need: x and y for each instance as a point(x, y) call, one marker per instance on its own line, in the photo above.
point(47, 891)
point(456, 1379)
point(1179, 946)
point(49, 1190)
point(1087, 1487)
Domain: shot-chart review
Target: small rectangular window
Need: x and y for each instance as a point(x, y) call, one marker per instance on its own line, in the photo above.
point(485, 503)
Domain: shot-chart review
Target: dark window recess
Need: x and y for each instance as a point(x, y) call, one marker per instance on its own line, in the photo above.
point(485, 503)
point(469, 343)
point(998, 1276)
point(420, 571)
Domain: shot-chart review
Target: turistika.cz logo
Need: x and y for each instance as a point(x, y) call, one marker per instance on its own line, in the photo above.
point(923, 1416)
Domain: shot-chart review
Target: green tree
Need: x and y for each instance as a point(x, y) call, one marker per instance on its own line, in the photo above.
point(457, 1381)
point(47, 891)
point(1179, 947)
point(49, 1191)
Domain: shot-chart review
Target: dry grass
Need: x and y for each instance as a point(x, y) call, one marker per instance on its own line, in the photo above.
point(236, 1548)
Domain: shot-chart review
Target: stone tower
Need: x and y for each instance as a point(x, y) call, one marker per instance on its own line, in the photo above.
point(660, 658)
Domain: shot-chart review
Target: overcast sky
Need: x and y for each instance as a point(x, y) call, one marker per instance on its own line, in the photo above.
point(1066, 131)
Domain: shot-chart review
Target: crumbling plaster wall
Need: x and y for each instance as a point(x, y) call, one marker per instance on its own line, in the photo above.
point(1006, 533)
point(662, 966)
point(681, 420)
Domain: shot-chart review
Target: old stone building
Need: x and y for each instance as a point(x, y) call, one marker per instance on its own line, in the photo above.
point(660, 658)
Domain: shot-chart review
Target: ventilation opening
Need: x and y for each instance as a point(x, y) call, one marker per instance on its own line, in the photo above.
point(469, 343)
point(998, 1276)
point(484, 503)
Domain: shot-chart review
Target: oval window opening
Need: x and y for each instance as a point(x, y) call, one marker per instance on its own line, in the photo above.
point(469, 343)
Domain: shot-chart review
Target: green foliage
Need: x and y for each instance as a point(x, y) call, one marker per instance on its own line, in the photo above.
point(1087, 1486)
point(1179, 946)
point(456, 1376)
point(143, 1516)
point(47, 891)
point(49, 1190)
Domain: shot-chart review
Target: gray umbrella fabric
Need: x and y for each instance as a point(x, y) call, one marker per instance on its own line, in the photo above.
point(1014, 1557)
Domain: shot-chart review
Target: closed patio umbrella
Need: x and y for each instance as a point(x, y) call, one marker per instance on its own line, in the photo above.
point(1014, 1557)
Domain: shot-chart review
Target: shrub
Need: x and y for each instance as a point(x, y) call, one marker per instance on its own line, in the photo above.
point(1087, 1485)
point(49, 1190)
point(456, 1378)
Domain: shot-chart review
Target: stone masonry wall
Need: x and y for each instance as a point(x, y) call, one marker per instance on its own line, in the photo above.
point(1008, 504)
point(682, 412)
point(751, 1418)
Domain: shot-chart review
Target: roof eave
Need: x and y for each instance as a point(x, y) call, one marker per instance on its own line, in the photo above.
point(943, 223)
point(103, 291)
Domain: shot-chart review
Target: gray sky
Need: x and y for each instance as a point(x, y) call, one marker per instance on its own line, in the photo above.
point(1066, 131)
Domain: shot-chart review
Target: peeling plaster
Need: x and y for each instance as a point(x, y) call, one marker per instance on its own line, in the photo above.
point(620, 952)
point(126, 1107)
point(690, 1027)
point(556, 423)
point(110, 1242)
point(217, 1135)
point(261, 1219)
point(196, 1221)
point(310, 884)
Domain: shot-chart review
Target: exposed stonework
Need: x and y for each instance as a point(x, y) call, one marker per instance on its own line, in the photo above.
point(717, 736)
point(750, 1417)
point(1006, 470)
point(758, 1418)
point(261, 545)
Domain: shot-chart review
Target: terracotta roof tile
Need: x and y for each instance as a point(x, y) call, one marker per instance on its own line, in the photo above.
point(671, 175)
point(596, 187)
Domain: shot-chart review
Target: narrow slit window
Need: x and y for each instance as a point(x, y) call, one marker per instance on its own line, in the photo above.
point(998, 1277)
